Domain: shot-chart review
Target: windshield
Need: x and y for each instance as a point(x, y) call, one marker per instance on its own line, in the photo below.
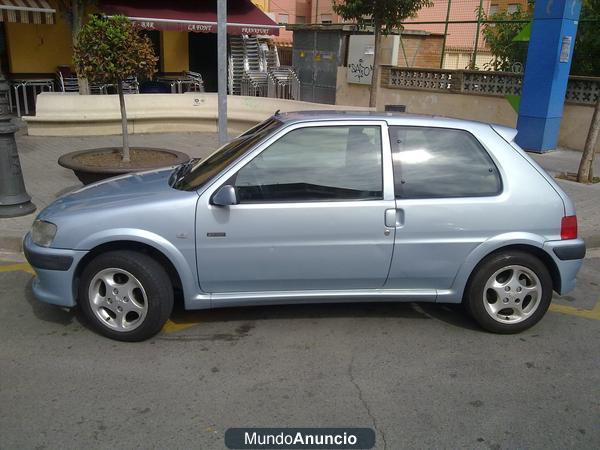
point(270, 124)
point(203, 171)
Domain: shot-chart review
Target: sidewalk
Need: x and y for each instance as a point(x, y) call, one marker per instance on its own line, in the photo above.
point(45, 179)
point(586, 197)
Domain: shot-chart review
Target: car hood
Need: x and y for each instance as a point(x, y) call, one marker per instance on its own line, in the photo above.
point(122, 191)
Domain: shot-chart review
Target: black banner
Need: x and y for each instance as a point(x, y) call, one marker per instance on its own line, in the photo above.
point(300, 438)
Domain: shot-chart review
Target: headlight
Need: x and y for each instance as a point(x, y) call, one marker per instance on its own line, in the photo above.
point(43, 233)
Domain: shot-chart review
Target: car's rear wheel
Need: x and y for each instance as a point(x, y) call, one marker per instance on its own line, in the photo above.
point(509, 292)
point(126, 295)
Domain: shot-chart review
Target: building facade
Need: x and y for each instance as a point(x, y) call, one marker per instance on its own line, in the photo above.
point(33, 48)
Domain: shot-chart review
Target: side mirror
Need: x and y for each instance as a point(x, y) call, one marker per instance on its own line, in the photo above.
point(225, 196)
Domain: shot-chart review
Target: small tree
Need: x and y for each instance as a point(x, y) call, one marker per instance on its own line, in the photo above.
point(585, 174)
point(385, 15)
point(586, 62)
point(500, 38)
point(587, 43)
point(110, 50)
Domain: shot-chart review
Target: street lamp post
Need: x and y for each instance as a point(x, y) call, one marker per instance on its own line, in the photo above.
point(222, 68)
point(14, 199)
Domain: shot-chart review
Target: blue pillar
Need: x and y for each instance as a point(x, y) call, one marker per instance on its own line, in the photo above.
point(546, 73)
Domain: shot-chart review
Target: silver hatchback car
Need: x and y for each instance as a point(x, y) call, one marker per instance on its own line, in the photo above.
point(317, 207)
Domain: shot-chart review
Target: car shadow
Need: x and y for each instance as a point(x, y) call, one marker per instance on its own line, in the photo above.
point(449, 314)
point(51, 313)
point(452, 315)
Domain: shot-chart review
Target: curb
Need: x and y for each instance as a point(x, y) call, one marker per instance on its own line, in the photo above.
point(11, 244)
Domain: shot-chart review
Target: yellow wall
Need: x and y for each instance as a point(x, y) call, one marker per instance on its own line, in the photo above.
point(262, 4)
point(38, 48)
point(174, 46)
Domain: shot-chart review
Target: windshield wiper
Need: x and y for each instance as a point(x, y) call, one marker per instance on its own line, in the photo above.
point(181, 171)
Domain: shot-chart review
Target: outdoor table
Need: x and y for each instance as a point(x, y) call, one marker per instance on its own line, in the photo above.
point(176, 82)
point(187, 82)
point(22, 85)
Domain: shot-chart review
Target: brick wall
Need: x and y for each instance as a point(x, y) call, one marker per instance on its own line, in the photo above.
point(423, 51)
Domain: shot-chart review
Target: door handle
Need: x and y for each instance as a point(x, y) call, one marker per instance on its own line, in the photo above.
point(394, 217)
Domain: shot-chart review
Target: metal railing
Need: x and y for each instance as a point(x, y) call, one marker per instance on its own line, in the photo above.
point(580, 90)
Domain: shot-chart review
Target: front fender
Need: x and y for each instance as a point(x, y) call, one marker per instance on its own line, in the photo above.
point(480, 252)
point(183, 256)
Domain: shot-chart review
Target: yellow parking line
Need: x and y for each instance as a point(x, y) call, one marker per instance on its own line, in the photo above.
point(593, 313)
point(172, 327)
point(24, 267)
point(182, 320)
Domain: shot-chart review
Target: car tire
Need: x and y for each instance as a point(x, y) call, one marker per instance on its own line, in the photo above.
point(125, 295)
point(509, 292)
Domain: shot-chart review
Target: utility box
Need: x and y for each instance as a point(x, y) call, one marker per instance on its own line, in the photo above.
point(316, 54)
point(361, 51)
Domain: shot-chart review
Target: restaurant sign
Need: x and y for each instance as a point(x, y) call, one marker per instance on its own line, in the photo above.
point(205, 27)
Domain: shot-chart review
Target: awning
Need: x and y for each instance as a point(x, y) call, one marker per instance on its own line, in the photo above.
point(243, 17)
point(26, 11)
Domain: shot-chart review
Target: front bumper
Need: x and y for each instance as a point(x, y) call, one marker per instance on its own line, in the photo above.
point(55, 270)
point(568, 256)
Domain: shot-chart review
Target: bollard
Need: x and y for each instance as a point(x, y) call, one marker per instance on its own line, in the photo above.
point(14, 200)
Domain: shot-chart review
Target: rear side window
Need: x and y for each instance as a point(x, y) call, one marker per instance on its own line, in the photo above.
point(441, 163)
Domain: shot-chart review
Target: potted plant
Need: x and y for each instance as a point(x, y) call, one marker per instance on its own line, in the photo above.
point(110, 50)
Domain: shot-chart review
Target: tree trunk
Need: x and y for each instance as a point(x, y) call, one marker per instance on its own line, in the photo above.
point(586, 166)
point(75, 20)
point(125, 152)
point(375, 71)
point(77, 11)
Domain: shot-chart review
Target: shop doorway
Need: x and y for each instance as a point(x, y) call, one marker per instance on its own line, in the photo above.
point(203, 58)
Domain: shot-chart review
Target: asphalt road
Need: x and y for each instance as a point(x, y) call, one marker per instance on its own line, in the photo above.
point(423, 376)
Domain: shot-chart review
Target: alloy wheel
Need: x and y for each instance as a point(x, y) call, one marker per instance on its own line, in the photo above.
point(512, 294)
point(118, 299)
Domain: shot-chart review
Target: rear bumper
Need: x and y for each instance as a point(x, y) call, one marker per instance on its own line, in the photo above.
point(568, 256)
point(55, 269)
point(569, 250)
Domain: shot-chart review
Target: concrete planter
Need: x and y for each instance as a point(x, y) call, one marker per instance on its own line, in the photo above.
point(88, 173)
point(60, 114)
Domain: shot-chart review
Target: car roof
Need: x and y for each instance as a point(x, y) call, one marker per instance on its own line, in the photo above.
point(390, 117)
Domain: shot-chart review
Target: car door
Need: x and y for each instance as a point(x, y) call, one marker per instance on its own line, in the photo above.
point(448, 199)
point(312, 201)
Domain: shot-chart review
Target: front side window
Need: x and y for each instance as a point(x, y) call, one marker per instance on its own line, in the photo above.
point(205, 170)
point(326, 163)
point(441, 163)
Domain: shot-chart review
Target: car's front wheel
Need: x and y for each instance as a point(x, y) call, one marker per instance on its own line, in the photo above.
point(509, 292)
point(126, 295)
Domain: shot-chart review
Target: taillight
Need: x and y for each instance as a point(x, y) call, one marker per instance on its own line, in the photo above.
point(568, 227)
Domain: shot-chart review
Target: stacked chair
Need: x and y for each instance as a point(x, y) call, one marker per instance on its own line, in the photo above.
point(254, 83)
point(131, 86)
point(254, 70)
point(194, 81)
point(236, 64)
point(283, 83)
point(66, 79)
point(67, 82)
